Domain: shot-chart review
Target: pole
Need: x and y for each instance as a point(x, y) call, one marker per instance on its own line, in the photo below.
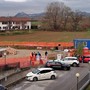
point(77, 75)
point(77, 83)
point(5, 66)
point(5, 57)
point(89, 69)
point(5, 60)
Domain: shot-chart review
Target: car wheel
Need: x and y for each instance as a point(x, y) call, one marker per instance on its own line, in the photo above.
point(35, 79)
point(74, 64)
point(88, 61)
point(53, 77)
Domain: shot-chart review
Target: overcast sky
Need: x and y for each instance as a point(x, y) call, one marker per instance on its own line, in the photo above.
point(12, 7)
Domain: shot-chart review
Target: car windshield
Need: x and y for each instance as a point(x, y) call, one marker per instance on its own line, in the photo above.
point(35, 71)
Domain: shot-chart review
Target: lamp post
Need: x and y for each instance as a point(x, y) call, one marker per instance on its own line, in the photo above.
point(89, 70)
point(77, 75)
point(5, 65)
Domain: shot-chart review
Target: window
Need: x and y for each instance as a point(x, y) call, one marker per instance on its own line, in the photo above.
point(65, 58)
point(4, 22)
point(57, 63)
point(84, 43)
point(72, 59)
point(45, 71)
point(35, 71)
point(5, 28)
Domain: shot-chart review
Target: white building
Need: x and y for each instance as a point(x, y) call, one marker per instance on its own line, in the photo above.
point(13, 23)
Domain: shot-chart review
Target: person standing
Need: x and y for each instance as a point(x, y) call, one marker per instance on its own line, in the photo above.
point(46, 55)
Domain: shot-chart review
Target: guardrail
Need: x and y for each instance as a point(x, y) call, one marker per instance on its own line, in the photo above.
point(82, 83)
point(17, 76)
point(14, 77)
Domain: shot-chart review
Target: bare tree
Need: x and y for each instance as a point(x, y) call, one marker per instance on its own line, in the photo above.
point(76, 18)
point(56, 15)
point(65, 17)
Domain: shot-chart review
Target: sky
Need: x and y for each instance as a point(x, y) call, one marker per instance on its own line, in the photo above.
point(12, 7)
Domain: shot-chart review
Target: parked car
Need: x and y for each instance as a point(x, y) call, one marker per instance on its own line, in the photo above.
point(84, 59)
point(73, 61)
point(41, 73)
point(2, 87)
point(57, 65)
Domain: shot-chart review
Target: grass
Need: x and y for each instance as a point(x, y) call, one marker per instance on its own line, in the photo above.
point(44, 36)
point(88, 88)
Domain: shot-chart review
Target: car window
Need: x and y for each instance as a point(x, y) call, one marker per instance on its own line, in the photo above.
point(65, 59)
point(45, 71)
point(86, 56)
point(35, 71)
point(57, 63)
point(72, 58)
point(51, 63)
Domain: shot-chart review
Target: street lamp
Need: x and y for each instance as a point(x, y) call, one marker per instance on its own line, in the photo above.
point(77, 75)
point(89, 70)
point(5, 65)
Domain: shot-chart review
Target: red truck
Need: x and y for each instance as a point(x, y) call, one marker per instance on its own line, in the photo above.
point(86, 55)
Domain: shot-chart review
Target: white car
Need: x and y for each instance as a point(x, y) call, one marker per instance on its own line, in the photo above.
point(41, 73)
point(70, 60)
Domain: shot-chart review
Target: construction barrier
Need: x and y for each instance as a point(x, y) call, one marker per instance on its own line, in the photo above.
point(38, 44)
point(22, 62)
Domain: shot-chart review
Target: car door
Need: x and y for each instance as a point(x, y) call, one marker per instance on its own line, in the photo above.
point(45, 74)
point(66, 60)
point(57, 65)
point(41, 75)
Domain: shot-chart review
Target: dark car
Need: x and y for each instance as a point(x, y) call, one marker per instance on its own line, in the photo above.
point(57, 65)
point(2, 87)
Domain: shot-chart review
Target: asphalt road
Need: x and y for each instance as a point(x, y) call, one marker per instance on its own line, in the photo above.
point(66, 80)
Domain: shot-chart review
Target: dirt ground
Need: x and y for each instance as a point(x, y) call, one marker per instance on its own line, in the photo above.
point(25, 53)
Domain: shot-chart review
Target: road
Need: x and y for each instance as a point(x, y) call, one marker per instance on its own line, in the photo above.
point(66, 80)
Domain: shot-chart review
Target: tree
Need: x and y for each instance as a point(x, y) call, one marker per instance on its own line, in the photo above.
point(76, 18)
point(66, 14)
point(56, 15)
point(79, 50)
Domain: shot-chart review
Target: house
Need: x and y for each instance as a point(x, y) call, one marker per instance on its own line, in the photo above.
point(14, 23)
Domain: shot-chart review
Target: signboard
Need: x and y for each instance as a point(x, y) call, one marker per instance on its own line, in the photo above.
point(59, 56)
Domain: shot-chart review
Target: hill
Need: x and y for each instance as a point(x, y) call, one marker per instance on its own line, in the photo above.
point(32, 16)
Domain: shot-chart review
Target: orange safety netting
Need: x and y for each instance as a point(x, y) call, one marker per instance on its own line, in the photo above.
point(37, 44)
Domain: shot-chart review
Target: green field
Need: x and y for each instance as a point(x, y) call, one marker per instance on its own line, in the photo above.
point(43, 36)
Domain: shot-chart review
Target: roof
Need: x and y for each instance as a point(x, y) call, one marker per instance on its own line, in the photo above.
point(2, 49)
point(16, 19)
point(44, 69)
point(82, 39)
